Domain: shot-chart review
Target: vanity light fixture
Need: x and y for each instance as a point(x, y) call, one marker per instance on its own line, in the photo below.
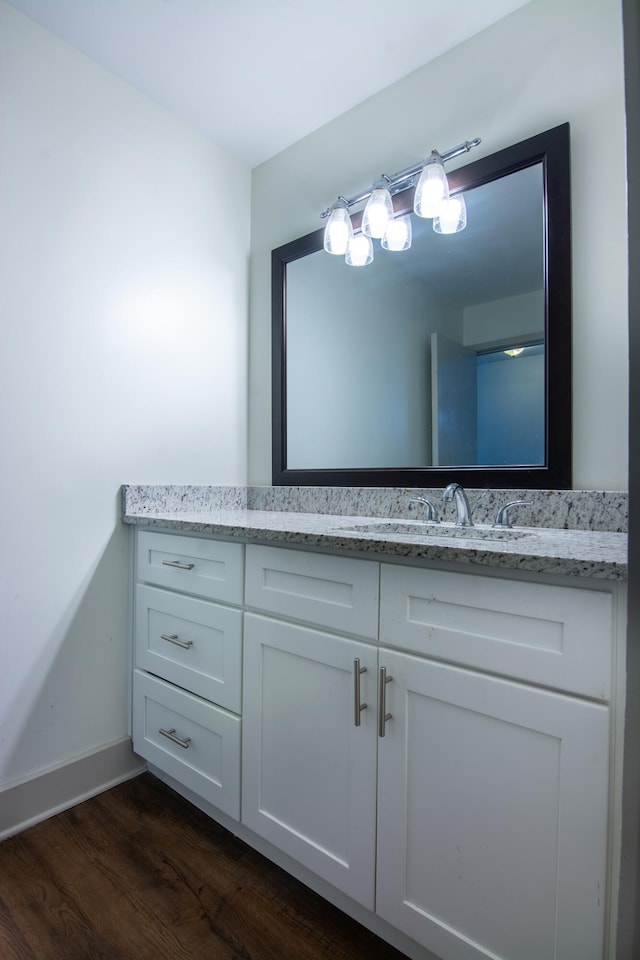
point(432, 190)
point(452, 217)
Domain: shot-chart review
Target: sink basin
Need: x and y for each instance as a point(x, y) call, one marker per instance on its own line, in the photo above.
point(414, 528)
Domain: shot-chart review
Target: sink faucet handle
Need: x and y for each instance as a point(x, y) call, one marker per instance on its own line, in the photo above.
point(502, 516)
point(431, 512)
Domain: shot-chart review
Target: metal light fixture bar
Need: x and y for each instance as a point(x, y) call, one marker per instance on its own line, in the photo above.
point(406, 174)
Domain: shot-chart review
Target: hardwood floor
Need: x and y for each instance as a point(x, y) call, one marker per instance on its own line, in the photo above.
point(137, 873)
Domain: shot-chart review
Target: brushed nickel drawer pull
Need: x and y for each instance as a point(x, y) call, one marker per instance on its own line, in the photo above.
point(178, 565)
point(383, 716)
point(173, 638)
point(357, 706)
point(171, 735)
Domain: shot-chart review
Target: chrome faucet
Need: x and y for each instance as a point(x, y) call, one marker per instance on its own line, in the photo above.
point(431, 514)
point(455, 492)
point(502, 516)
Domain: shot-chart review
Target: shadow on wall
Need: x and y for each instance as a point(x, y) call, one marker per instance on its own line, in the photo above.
point(71, 687)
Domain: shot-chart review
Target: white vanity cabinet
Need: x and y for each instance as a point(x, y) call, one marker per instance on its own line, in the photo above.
point(188, 662)
point(434, 744)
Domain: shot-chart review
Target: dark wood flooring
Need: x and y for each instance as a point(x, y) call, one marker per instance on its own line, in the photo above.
point(137, 873)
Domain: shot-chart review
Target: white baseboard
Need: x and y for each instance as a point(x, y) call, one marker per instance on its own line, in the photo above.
point(51, 791)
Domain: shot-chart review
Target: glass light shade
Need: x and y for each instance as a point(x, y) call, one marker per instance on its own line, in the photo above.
point(452, 217)
point(398, 234)
point(432, 189)
point(338, 231)
point(514, 352)
point(359, 251)
point(378, 211)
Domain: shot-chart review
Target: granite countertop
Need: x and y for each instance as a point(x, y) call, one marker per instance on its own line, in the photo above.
point(570, 552)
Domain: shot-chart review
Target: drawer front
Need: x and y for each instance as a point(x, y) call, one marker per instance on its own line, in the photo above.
point(193, 643)
point(335, 592)
point(200, 745)
point(556, 636)
point(206, 568)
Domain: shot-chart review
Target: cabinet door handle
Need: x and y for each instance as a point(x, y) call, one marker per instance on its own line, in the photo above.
point(383, 716)
point(173, 638)
point(183, 742)
point(178, 565)
point(357, 706)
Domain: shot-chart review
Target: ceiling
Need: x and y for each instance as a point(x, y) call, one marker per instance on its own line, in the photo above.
point(257, 75)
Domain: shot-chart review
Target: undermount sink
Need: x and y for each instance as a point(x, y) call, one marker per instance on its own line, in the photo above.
point(416, 528)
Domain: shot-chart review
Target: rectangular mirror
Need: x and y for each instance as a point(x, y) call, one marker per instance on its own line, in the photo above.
point(448, 361)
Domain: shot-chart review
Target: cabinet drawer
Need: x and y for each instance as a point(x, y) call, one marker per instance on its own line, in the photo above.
point(193, 643)
point(205, 752)
point(551, 635)
point(207, 568)
point(335, 592)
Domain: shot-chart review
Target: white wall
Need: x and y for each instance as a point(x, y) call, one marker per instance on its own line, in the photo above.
point(549, 62)
point(124, 241)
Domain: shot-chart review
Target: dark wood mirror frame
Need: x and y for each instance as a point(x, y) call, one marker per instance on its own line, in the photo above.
point(551, 149)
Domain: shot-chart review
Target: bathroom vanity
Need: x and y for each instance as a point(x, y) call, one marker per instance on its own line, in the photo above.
point(423, 726)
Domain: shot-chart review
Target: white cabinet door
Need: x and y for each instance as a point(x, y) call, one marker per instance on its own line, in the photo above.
point(492, 812)
point(308, 772)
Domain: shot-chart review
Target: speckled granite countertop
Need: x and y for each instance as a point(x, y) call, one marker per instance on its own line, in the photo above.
point(598, 554)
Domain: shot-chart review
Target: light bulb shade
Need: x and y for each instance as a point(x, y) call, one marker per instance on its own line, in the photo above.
point(378, 211)
point(359, 251)
point(338, 231)
point(432, 189)
point(452, 217)
point(398, 234)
